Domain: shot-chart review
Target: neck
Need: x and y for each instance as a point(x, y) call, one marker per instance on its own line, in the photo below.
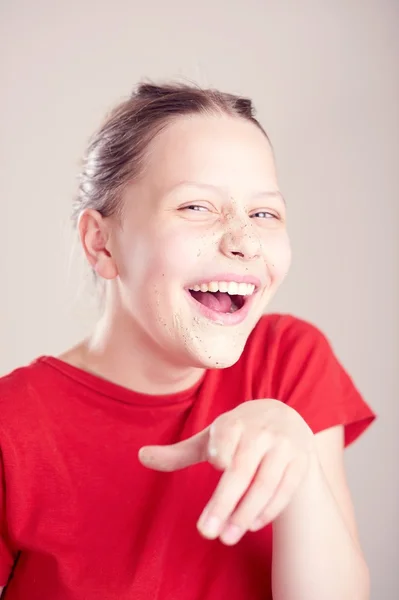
point(120, 351)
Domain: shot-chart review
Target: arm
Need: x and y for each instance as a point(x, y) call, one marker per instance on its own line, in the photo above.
point(316, 551)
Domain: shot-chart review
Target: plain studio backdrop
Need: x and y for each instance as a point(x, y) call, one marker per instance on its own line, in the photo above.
point(324, 75)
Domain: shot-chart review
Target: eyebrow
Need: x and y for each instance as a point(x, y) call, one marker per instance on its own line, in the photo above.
point(220, 190)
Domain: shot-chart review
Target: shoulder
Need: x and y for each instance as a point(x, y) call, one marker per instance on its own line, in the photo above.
point(278, 335)
point(13, 386)
point(287, 327)
point(293, 361)
point(278, 349)
point(18, 381)
point(283, 346)
point(19, 397)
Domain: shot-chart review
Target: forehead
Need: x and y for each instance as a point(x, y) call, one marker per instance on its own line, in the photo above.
point(220, 151)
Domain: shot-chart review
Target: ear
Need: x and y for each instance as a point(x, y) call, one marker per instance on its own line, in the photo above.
point(95, 233)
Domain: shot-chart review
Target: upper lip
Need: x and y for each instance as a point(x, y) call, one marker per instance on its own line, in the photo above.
point(227, 277)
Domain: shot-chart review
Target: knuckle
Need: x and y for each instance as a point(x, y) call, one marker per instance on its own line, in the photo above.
point(263, 479)
point(216, 425)
point(263, 439)
point(249, 455)
point(235, 424)
point(220, 460)
point(224, 429)
point(221, 508)
point(286, 447)
point(241, 463)
point(277, 438)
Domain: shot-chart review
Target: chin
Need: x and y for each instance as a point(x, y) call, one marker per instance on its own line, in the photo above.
point(222, 362)
point(215, 361)
point(218, 352)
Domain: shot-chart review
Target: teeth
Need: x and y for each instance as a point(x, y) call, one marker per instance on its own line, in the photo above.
point(231, 287)
point(242, 289)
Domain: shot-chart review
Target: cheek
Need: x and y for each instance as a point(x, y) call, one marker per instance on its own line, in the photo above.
point(171, 255)
point(278, 255)
point(180, 252)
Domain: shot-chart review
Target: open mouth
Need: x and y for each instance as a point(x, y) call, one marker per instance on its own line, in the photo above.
point(219, 301)
point(222, 297)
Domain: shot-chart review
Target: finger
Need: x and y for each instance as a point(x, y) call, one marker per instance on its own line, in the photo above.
point(263, 487)
point(215, 443)
point(176, 456)
point(233, 484)
point(224, 438)
point(286, 489)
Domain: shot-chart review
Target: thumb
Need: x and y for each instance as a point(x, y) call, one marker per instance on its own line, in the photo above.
point(176, 456)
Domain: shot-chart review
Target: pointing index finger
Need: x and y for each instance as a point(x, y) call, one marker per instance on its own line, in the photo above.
point(173, 457)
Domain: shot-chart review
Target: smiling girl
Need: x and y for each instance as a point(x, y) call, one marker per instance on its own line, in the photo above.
point(191, 447)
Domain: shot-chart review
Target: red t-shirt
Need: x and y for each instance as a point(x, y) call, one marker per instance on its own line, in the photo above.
point(82, 519)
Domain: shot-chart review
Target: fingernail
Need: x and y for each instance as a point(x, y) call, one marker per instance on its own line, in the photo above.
point(231, 534)
point(210, 527)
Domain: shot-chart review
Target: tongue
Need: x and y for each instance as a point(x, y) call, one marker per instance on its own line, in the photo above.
point(219, 301)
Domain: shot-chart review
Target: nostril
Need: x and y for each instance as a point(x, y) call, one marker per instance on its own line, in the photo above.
point(240, 254)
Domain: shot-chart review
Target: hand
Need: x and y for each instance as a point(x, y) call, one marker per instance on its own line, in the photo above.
point(263, 447)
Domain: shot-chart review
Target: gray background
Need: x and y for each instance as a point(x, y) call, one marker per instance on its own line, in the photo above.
point(325, 78)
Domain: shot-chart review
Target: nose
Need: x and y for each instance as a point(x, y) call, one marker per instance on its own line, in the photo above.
point(241, 242)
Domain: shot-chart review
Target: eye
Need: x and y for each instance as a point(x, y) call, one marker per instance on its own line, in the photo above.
point(264, 214)
point(195, 207)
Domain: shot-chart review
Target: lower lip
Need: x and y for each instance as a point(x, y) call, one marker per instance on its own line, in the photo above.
point(221, 318)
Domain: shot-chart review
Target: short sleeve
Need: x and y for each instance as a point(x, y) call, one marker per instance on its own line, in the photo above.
point(309, 378)
point(7, 556)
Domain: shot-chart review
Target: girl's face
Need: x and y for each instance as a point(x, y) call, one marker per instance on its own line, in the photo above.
point(206, 215)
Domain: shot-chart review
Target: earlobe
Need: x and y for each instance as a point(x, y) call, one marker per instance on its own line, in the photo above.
point(94, 234)
point(105, 268)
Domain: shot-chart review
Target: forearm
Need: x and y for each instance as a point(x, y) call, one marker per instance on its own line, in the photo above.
point(314, 555)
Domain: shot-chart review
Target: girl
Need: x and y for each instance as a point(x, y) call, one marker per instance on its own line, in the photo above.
point(190, 448)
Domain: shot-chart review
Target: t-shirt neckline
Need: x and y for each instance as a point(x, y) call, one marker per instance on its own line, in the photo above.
point(116, 391)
